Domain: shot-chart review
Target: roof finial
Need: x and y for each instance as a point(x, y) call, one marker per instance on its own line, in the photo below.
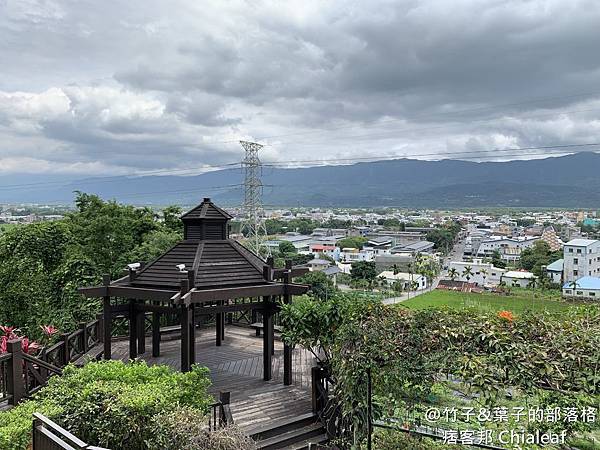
point(207, 199)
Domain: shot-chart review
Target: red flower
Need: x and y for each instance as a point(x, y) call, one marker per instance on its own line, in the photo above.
point(11, 332)
point(28, 346)
point(49, 330)
point(3, 344)
point(506, 315)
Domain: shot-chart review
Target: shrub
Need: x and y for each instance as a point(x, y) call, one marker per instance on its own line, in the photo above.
point(110, 403)
point(187, 428)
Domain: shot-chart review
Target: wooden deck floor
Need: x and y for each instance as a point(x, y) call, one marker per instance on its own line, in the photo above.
point(236, 367)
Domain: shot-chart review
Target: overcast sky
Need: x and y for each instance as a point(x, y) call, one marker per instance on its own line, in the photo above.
point(107, 87)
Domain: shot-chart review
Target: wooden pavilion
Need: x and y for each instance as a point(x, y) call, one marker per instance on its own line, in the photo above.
point(206, 274)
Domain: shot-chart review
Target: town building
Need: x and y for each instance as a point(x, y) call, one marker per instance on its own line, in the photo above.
point(584, 287)
point(581, 259)
point(520, 278)
point(554, 271)
point(483, 274)
point(408, 280)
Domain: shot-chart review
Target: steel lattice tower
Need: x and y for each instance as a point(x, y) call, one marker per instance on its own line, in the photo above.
point(253, 226)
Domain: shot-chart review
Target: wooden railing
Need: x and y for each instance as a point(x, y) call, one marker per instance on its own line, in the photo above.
point(21, 374)
point(47, 435)
point(220, 415)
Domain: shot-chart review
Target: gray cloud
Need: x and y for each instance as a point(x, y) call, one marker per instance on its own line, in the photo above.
point(113, 87)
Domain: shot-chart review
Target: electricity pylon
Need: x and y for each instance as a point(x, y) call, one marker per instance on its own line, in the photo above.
point(253, 226)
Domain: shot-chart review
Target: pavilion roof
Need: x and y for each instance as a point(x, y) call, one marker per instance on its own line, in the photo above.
point(217, 263)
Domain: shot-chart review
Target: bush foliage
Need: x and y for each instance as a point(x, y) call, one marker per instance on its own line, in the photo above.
point(109, 404)
point(550, 357)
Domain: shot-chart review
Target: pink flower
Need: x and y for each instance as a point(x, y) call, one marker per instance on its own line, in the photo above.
point(49, 330)
point(3, 344)
point(28, 346)
point(11, 332)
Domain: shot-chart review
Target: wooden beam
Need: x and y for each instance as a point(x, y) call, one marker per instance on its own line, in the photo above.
point(161, 309)
point(140, 293)
point(278, 274)
point(267, 341)
point(94, 291)
point(213, 309)
point(211, 295)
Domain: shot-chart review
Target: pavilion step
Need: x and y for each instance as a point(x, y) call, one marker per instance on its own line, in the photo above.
point(296, 433)
point(283, 426)
point(298, 438)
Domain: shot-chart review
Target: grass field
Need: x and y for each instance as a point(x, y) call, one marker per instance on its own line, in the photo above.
point(519, 301)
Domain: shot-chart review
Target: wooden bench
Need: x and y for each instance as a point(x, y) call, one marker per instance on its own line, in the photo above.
point(258, 326)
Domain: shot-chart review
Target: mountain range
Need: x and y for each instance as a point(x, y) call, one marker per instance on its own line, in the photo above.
point(566, 181)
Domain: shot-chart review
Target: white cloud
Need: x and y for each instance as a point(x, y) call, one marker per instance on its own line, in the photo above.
point(123, 87)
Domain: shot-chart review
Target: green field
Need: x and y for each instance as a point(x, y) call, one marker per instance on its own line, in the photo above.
point(519, 301)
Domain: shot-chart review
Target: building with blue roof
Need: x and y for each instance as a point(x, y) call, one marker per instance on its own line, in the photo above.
point(554, 271)
point(584, 287)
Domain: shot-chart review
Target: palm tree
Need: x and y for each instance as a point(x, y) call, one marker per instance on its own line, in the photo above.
point(453, 274)
point(467, 273)
point(484, 274)
point(395, 269)
point(574, 285)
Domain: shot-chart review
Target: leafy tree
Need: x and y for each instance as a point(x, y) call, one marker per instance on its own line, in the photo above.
point(497, 260)
point(321, 286)
point(286, 248)
point(352, 242)
point(171, 218)
point(363, 270)
point(537, 256)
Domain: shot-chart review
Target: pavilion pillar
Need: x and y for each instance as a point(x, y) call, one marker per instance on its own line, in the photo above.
point(133, 327)
point(267, 339)
point(106, 321)
point(192, 328)
point(155, 334)
point(287, 350)
point(185, 330)
point(141, 328)
point(267, 329)
point(218, 327)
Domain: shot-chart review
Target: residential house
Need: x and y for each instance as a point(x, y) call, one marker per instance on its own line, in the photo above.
point(520, 278)
point(581, 259)
point(483, 274)
point(584, 287)
point(554, 271)
point(407, 279)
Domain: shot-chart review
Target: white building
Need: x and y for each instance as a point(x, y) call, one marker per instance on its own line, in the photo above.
point(554, 271)
point(581, 259)
point(520, 278)
point(509, 247)
point(350, 255)
point(483, 274)
point(407, 279)
point(585, 287)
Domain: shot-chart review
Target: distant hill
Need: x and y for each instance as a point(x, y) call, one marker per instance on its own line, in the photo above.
point(567, 181)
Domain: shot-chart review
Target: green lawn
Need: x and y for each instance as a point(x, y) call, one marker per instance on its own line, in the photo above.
point(518, 302)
